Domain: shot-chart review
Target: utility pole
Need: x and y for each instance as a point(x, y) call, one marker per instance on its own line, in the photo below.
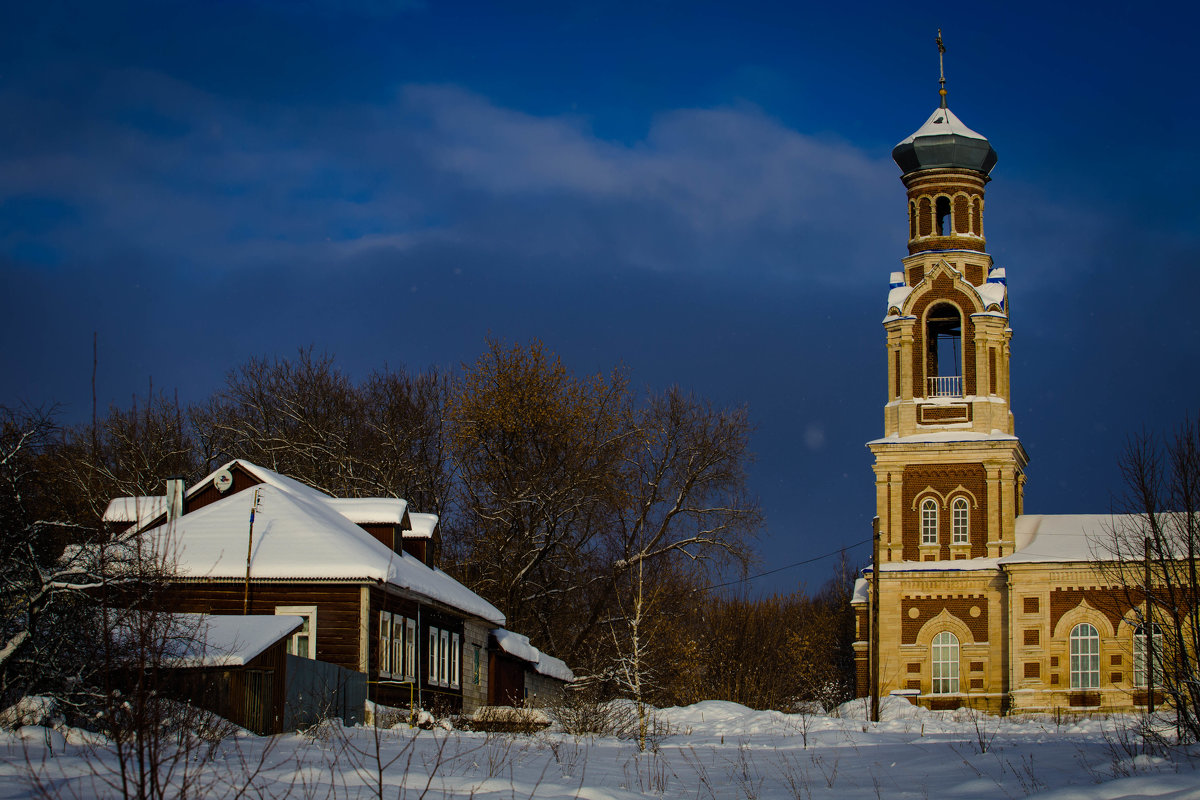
point(874, 634)
point(1148, 630)
point(250, 551)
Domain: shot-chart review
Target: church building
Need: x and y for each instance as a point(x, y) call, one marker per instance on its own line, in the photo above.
point(980, 604)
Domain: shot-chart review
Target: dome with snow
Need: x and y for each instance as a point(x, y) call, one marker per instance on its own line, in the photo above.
point(944, 142)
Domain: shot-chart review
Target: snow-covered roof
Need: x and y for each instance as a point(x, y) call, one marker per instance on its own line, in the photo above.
point(553, 667)
point(298, 534)
point(226, 640)
point(516, 644)
point(897, 296)
point(135, 509)
point(992, 294)
point(367, 510)
point(942, 122)
point(1067, 537)
point(860, 593)
point(422, 526)
point(519, 646)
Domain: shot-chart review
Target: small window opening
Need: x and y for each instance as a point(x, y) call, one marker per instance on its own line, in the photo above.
point(943, 216)
point(943, 364)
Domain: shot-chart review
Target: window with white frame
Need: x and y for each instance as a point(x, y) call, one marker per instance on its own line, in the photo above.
point(1139, 656)
point(929, 521)
point(945, 663)
point(433, 655)
point(444, 657)
point(1085, 657)
point(397, 646)
point(455, 659)
point(385, 644)
point(410, 650)
point(303, 642)
point(960, 521)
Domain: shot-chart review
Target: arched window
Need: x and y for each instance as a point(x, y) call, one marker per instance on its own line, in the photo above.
point(1139, 656)
point(929, 521)
point(912, 220)
point(943, 216)
point(945, 663)
point(1085, 657)
point(943, 345)
point(960, 521)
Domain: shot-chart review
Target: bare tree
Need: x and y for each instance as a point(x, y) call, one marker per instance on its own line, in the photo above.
point(1155, 546)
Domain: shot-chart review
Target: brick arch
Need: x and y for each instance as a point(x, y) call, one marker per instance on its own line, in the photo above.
point(943, 289)
point(945, 621)
point(961, 216)
point(924, 216)
point(1079, 614)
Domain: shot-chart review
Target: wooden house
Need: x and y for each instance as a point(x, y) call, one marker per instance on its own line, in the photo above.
point(246, 540)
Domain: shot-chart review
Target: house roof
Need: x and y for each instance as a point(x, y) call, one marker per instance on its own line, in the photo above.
point(226, 640)
point(422, 526)
point(298, 534)
point(138, 510)
point(368, 510)
point(518, 646)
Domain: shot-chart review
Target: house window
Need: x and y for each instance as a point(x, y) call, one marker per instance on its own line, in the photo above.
point(960, 521)
point(433, 655)
point(385, 644)
point(397, 645)
point(455, 659)
point(1139, 656)
point(444, 658)
point(410, 650)
point(1085, 657)
point(303, 642)
point(929, 521)
point(945, 663)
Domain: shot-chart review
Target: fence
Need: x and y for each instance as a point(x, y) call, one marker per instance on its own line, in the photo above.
point(318, 690)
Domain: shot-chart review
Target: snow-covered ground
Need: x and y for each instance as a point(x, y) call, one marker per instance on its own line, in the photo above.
point(709, 750)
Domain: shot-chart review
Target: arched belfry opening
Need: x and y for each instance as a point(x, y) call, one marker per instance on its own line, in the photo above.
point(943, 355)
point(943, 216)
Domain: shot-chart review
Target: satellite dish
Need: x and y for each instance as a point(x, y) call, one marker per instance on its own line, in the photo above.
point(223, 480)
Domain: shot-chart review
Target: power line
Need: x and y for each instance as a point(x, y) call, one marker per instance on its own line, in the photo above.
point(788, 566)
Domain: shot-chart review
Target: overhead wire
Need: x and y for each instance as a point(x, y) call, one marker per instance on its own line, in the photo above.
point(812, 560)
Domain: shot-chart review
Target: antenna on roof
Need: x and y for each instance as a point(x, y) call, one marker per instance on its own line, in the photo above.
point(941, 68)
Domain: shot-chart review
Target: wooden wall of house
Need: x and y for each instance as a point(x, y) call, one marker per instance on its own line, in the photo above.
point(506, 680)
point(337, 631)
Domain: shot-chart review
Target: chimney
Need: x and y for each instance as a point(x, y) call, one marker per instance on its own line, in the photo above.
point(174, 498)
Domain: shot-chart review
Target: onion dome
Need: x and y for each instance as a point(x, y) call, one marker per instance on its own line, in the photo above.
point(944, 142)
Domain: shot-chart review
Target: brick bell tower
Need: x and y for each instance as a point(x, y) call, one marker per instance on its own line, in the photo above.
point(949, 469)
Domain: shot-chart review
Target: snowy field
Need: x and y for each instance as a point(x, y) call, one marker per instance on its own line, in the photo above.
point(709, 750)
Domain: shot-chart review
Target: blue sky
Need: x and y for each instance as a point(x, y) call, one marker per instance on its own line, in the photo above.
point(703, 192)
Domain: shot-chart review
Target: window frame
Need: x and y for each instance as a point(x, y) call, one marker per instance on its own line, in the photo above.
point(397, 645)
point(945, 655)
point(455, 660)
point(385, 644)
point(960, 533)
point(410, 650)
point(1139, 655)
point(929, 522)
point(310, 614)
point(433, 655)
point(1085, 666)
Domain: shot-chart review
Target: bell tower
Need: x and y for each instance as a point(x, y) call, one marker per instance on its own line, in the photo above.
point(949, 470)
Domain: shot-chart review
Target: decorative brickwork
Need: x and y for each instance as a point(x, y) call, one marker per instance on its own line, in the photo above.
point(962, 214)
point(974, 273)
point(976, 666)
point(914, 666)
point(1112, 602)
point(944, 291)
point(991, 370)
point(952, 413)
point(945, 480)
point(1033, 637)
point(1033, 669)
point(976, 683)
point(958, 606)
point(1115, 659)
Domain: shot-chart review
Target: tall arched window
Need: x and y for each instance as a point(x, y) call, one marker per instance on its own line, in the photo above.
point(1085, 657)
point(960, 521)
point(943, 348)
point(1139, 656)
point(929, 521)
point(942, 208)
point(945, 663)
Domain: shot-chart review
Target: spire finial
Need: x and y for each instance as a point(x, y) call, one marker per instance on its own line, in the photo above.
point(941, 68)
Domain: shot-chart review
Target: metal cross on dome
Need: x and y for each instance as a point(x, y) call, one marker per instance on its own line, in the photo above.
point(941, 68)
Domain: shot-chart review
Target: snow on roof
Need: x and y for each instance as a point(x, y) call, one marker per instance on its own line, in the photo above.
point(860, 594)
point(298, 534)
point(943, 565)
point(366, 510)
point(553, 667)
point(1068, 537)
point(135, 509)
point(897, 296)
point(516, 644)
point(992, 294)
point(946, 436)
point(940, 123)
point(519, 646)
point(422, 526)
point(225, 640)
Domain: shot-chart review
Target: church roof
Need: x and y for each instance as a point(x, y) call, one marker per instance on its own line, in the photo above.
point(944, 142)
